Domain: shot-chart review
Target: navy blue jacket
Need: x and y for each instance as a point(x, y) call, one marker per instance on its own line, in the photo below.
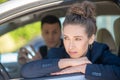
point(106, 66)
point(44, 50)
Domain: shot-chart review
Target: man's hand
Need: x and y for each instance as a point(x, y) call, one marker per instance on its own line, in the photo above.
point(23, 55)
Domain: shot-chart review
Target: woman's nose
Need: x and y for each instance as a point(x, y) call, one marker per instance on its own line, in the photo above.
point(71, 45)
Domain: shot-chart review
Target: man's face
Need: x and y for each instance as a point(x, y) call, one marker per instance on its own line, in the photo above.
point(51, 34)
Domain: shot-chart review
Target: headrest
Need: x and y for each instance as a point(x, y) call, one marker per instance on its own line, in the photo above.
point(117, 31)
point(104, 36)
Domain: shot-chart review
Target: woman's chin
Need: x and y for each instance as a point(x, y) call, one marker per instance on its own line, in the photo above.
point(76, 56)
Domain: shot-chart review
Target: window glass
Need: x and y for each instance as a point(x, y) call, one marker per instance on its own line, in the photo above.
point(12, 41)
point(107, 22)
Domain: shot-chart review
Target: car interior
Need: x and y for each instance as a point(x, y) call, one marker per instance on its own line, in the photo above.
point(27, 13)
point(104, 36)
point(117, 34)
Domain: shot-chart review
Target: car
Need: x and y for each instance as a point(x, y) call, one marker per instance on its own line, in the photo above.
point(17, 15)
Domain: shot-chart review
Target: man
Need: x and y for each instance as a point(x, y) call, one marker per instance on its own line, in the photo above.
point(51, 33)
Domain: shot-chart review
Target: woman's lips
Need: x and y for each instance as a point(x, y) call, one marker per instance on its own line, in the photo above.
point(72, 52)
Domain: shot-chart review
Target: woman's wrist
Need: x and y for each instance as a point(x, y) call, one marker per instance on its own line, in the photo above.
point(83, 68)
point(63, 63)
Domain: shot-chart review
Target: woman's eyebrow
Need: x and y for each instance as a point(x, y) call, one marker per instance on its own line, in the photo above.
point(65, 35)
point(78, 36)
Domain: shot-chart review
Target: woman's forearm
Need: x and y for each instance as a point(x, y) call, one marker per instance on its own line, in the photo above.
point(67, 62)
point(63, 63)
point(39, 68)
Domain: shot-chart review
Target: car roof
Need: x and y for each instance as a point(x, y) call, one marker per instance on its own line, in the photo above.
point(11, 7)
point(20, 12)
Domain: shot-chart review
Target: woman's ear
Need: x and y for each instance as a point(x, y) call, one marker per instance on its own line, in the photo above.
point(92, 39)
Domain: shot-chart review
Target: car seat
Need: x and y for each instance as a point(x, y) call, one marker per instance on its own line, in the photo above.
point(117, 34)
point(104, 36)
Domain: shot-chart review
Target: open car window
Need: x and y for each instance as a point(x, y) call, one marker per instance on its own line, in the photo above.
point(20, 27)
point(12, 41)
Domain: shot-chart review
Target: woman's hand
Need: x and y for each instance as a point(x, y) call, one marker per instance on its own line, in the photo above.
point(63, 63)
point(74, 69)
point(80, 61)
point(72, 65)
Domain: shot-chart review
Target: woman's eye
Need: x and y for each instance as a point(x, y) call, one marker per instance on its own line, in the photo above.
point(77, 39)
point(65, 38)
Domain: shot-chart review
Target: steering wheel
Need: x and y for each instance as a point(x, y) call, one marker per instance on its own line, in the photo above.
point(3, 73)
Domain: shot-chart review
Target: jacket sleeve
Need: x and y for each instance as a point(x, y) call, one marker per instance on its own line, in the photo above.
point(102, 72)
point(57, 53)
point(39, 68)
point(106, 68)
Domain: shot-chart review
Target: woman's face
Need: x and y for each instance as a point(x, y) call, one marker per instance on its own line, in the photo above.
point(76, 40)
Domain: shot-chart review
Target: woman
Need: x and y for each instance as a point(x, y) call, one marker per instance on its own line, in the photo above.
point(88, 57)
